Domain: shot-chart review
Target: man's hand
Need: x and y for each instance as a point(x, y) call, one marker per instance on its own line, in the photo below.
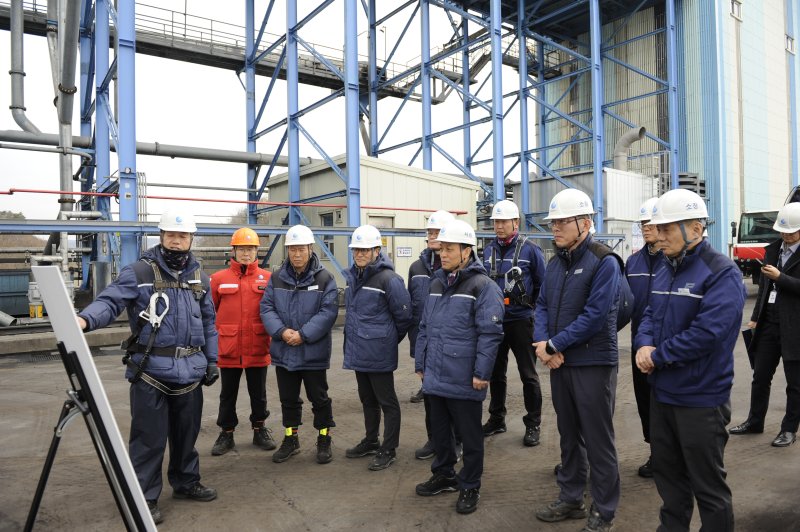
point(541, 351)
point(292, 337)
point(771, 272)
point(479, 384)
point(751, 324)
point(420, 375)
point(555, 361)
point(644, 359)
point(212, 374)
point(81, 323)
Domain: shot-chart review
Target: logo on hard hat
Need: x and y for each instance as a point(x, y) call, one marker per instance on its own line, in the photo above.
point(692, 206)
point(642, 210)
point(553, 205)
point(179, 219)
point(582, 203)
point(358, 237)
point(783, 221)
point(294, 236)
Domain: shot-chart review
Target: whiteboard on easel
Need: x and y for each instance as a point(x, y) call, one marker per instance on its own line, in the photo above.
point(62, 317)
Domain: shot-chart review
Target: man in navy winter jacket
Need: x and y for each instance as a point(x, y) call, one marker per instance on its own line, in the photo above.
point(686, 344)
point(378, 315)
point(299, 309)
point(517, 266)
point(460, 330)
point(575, 335)
point(166, 400)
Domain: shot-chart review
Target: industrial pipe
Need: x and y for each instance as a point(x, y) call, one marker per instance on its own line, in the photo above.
point(17, 71)
point(68, 151)
point(623, 144)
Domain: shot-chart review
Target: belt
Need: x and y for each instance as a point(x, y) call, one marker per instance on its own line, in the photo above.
point(169, 351)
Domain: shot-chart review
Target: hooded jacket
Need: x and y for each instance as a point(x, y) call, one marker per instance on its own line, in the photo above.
point(188, 322)
point(419, 284)
point(693, 321)
point(243, 342)
point(461, 328)
point(378, 316)
point(307, 303)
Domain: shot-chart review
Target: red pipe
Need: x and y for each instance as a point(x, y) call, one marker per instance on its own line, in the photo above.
point(248, 202)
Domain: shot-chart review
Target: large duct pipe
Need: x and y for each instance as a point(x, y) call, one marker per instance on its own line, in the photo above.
point(18, 69)
point(158, 149)
point(623, 144)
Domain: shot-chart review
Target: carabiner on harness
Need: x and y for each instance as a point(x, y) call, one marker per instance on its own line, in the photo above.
point(150, 313)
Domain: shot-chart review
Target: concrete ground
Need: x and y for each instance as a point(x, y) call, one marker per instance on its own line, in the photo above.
point(257, 494)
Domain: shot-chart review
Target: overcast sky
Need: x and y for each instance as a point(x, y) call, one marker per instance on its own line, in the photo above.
point(186, 104)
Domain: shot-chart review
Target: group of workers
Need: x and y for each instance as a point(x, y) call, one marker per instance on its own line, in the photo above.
point(462, 316)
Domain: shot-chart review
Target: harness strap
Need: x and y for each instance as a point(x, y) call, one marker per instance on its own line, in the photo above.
point(167, 390)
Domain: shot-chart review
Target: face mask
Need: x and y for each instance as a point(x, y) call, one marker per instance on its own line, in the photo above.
point(176, 260)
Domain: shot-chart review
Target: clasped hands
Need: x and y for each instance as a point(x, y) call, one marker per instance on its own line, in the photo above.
point(553, 361)
point(291, 337)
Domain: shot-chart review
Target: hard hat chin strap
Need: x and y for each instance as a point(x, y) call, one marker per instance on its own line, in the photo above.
point(686, 241)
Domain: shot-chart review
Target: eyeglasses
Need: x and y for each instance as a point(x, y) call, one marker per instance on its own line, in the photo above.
point(648, 225)
point(362, 251)
point(561, 223)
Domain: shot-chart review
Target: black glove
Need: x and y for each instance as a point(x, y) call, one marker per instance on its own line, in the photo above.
point(212, 374)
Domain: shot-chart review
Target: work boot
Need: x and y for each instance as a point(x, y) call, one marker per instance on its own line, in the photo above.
point(363, 448)
point(155, 513)
point(324, 454)
point(468, 500)
point(560, 510)
point(383, 459)
point(596, 523)
point(418, 397)
point(223, 444)
point(493, 426)
point(198, 492)
point(646, 470)
point(289, 448)
point(262, 437)
point(437, 484)
point(531, 438)
point(425, 452)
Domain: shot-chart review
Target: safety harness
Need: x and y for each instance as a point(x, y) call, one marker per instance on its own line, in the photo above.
point(513, 277)
point(150, 315)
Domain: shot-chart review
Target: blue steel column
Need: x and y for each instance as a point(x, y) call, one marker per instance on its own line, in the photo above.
point(498, 172)
point(351, 112)
point(293, 134)
point(523, 116)
point(373, 79)
point(672, 80)
point(597, 112)
point(465, 103)
point(86, 120)
point(126, 72)
point(102, 113)
point(250, 103)
point(542, 111)
point(793, 31)
point(425, 55)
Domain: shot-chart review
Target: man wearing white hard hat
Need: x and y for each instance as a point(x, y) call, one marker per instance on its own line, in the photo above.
point(299, 309)
point(640, 270)
point(575, 335)
point(419, 282)
point(461, 327)
point(171, 351)
point(777, 336)
point(378, 309)
point(686, 341)
point(517, 266)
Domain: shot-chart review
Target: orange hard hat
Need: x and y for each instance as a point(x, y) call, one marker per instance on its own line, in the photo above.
point(245, 237)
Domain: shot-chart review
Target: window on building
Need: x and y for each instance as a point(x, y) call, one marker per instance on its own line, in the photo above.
point(736, 9)
point(326, 220)
point(790, 44)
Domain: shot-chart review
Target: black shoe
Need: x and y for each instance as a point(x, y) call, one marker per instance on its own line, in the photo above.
point(223, 444)
point(597, 523)
point(198, 492)
point(262, 437)
point(560, 510)
point(557, 469)
point(363, 448)
point(324, 454)
point(646, 470)
point(418, 397)
point(426, 452)
point(784, 439)
point(289, 447)
point(468, 500)
point(531, 438)
point(748, 427)
point(493, 427)
point(383, 459)
point(437, 484)
point(155, 513)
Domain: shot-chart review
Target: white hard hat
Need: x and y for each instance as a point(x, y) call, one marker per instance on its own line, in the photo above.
point(458, 232)
point(788, 220)
point(678, 205)
point(568, 203)
point(366, 237)
point(646, 210)
point(505, 210)
point(178, 221)
point(299, 235)
point(439, 219)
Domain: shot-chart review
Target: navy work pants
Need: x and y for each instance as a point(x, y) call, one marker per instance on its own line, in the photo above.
point(316, 385)
point(156, 419)
point(463, 416)
point(229, 392)
point(376, 391)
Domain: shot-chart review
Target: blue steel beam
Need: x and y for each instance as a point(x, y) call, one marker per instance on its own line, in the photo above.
point(292, 125)
point(466, 137)
point(351, 113)
point(425, 54)
point(250, 105)
point(792, 62)
point(86, 86)
point(599, 144)
point(126, 150)
point(102, 152)
point(525, 200)
point(372, 79)
point(672, 80)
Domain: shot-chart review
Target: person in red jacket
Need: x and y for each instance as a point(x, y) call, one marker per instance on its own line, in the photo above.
point(243, 342)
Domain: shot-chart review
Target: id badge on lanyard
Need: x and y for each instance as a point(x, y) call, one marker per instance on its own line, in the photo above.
point(773, 295)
